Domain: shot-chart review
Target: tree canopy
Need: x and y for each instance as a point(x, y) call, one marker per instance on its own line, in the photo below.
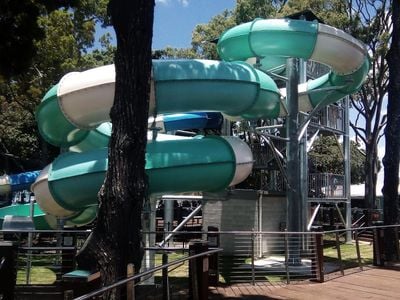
point(327, 156)
point(65, 36)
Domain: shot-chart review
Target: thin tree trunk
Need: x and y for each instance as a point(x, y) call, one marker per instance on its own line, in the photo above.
point(392, 135)
point(370, 180)
point(116, 239)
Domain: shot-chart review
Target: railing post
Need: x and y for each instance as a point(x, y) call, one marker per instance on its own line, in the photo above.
point(198, 271)
point(339, 254)
point(165, 278)
point(396, 235)
point(68, 295)
point(358, 249)
point(319, 257)
point(253, 279)
point(130, 286)
point(8, 269)
point(287, 257)
point(378, 258)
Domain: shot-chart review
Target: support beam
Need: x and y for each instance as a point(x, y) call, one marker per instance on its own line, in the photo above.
point(293, 158)
point(347, 167)
point(294, 199)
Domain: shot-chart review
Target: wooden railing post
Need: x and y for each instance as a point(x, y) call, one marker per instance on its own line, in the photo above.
point(358, 249)
point(339, 253)
point(130, 286)
point(165, 278)
point(318, 264)
point(198, 272)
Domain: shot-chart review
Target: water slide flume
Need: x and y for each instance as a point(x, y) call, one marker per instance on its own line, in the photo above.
point(73, 111)
point(71, 182)
point(42, 220)
point(282, 38)
point(81, 101)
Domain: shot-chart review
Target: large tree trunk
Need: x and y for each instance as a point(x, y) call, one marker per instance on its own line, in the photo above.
point(392, 135)
point(116, 239)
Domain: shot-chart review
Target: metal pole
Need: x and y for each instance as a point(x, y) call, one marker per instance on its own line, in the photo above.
point(260, 238)
point(168, 215)
point(294, 203)
point(347, 167)
point(149, 224)
point(287, 258)
point(191, 215)
point(30, 238)
point(303, 158)
point(313, 216)
point(253, 277)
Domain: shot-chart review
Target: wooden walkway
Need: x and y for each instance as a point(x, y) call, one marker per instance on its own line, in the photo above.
point(372, 283)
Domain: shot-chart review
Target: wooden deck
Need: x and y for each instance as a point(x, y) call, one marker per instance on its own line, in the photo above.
point(371, 283)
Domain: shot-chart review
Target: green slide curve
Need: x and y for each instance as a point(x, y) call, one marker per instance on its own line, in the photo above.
point(73, 114)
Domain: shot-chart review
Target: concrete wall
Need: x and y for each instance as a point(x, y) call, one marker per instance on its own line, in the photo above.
point(242, 215)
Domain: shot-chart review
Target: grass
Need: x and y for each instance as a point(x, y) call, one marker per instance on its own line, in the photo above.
point(180, 270)
point(41, 268)
point(39, 275)
point(349, 254)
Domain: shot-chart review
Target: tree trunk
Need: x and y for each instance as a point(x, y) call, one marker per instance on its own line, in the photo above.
point(116, 239)
point(371, 170)
point(392, 135)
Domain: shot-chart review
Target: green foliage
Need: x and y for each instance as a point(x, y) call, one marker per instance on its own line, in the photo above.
point(205, 35)
point(332, 12)
point(18, 30)
point(326, 156)
point(21, 31)
point(248, 10)
point(65, 36)
point(174, 53)
point(99, 57)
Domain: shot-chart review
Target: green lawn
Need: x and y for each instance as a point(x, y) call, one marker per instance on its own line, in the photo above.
point(39, 275)
point(349, 254)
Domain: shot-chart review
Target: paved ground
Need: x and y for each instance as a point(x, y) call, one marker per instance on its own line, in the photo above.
point(371, 283)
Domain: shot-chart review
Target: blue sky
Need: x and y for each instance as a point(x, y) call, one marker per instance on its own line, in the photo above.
point(174, 20)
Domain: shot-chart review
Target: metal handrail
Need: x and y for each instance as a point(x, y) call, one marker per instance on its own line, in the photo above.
point(213, 232)
point(358, 221)
point(7, 231)
point(145, 273)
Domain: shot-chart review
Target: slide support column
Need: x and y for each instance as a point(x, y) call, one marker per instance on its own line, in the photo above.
point(294, 202)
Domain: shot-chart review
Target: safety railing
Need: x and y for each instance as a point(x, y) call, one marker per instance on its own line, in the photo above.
point(43, 256)
point(330, 117)
point(247, 256)
point(267, 256)
point(326, 186)
point(195, 285)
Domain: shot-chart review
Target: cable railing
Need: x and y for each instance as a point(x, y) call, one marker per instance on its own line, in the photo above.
point(247, 257)
point(195, 294)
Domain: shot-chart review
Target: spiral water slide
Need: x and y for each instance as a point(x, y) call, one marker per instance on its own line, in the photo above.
point(73, 114)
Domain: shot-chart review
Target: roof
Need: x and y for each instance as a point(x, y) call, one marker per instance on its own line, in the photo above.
point(306, 14)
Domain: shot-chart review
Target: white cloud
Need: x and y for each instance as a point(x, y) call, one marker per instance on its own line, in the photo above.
point(184, 2)
point(165, 2)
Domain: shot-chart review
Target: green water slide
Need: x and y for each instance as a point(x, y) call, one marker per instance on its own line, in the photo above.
point(73, 113)
point(272, 41)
